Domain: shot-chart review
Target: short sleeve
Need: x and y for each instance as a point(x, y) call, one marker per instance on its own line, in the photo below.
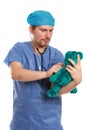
point(57, 57)
point(15, 54)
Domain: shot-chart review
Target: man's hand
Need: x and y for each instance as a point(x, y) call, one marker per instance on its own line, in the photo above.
point(75, 70)
point(54, 69)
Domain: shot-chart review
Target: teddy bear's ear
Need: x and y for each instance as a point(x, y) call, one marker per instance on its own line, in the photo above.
point(81, 55)
point(68, 54)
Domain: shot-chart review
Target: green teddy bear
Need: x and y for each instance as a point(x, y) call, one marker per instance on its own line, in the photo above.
point(63, 77)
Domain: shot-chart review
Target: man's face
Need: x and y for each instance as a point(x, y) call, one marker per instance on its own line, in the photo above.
point(41, 35)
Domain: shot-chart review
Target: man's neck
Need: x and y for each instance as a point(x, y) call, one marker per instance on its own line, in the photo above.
point(37, 49)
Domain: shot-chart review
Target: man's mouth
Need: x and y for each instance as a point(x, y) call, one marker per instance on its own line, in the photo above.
point(46, 40)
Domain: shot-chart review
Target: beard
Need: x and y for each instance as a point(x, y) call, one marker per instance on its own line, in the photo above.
point(43, 43)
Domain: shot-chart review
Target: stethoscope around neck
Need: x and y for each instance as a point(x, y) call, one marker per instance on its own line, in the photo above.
point(41, 54)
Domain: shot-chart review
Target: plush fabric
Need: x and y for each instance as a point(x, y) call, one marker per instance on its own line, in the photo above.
point(63, 77)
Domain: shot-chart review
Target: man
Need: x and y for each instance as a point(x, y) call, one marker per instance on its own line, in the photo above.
point(31, 64)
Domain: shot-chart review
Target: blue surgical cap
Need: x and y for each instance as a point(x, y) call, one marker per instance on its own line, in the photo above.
point(40, 17)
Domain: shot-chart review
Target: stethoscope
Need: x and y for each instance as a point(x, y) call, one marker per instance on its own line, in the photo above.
point(42, 68)
point(41, 54)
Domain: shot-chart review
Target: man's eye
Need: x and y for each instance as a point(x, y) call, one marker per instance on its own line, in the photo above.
point(51, 30)
point(43, 30)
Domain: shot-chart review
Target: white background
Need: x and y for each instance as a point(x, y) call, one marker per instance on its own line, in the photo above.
point(70, 34)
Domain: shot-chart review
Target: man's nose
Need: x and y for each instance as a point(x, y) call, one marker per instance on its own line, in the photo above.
point(48, 34)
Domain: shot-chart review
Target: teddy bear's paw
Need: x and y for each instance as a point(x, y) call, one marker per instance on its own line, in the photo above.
point(74, 91)
point(51, 94)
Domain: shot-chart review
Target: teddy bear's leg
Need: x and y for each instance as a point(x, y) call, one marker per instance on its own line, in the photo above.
point(74, 90)
point(53, 92)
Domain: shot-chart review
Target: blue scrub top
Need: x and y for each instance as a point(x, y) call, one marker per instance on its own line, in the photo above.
point(32, 109)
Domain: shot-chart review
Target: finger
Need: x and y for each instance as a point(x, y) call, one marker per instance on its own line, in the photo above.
point(60, 64)
point(78, 59)
point(72, 62)
point(70, 68)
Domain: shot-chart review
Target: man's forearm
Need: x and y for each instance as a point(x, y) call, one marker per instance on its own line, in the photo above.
point(69, 87)
point(28, 75)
